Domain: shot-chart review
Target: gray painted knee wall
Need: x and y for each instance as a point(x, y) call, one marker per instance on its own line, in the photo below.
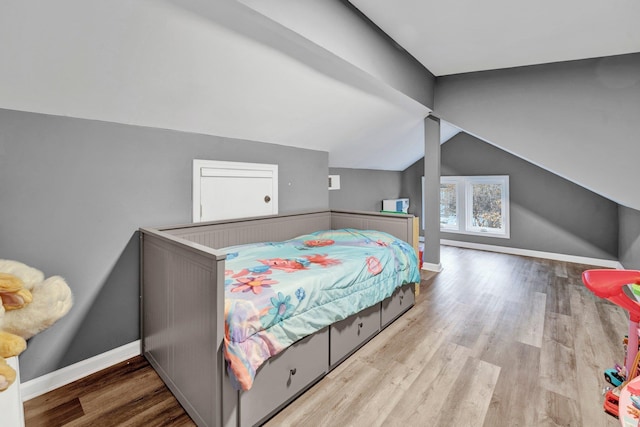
point(576, 118)
point(364, 189)
point(75, 191)
point(548, 213)
point(629, 249)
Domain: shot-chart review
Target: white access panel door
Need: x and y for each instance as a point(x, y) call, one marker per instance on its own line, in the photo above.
point(226, 190)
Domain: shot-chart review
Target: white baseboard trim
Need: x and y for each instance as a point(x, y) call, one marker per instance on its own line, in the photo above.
point(535, 254)
point(68, 374)
point(432, 267)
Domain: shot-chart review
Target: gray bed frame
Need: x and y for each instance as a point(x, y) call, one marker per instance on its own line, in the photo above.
point(182, 307)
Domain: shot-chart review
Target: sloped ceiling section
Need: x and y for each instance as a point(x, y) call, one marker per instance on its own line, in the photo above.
point(462, 36)
point(340, 28)
point(577, 119)
point(211, 67)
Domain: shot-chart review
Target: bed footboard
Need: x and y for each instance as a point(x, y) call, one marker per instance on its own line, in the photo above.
point(182, 321)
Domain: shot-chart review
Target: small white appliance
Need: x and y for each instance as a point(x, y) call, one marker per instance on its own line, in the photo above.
point(396, 205)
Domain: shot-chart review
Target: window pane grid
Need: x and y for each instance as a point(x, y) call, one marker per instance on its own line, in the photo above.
point(448, 206)
point(486, 206)
point(475, 205)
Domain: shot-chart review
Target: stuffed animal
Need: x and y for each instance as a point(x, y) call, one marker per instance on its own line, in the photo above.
point(29, 304)
point(13, 296)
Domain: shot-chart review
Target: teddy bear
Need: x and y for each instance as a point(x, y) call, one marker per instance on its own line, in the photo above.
point(29, 304)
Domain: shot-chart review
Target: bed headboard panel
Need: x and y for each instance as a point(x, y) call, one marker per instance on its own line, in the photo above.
point(220, 234)
point(400, 226)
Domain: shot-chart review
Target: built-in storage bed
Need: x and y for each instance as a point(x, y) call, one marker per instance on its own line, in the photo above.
point(182, 314)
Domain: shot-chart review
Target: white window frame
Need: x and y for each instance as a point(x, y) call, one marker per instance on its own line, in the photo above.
point(453, 228)
point(464, 205)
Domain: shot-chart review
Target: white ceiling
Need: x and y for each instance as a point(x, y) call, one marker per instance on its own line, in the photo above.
point(451, 37)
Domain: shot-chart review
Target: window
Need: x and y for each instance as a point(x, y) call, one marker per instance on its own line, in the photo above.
point(475, 205)
point(448, 204)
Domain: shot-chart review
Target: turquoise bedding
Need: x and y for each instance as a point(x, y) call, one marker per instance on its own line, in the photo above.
point(278, 293)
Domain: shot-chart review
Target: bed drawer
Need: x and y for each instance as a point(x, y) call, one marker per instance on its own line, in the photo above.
point(399, 302)
point(284, 376)
point(349, 334)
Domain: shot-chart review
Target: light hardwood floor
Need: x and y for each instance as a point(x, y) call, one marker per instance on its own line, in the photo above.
point(493, 340)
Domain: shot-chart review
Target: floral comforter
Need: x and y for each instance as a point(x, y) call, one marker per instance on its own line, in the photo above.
point(278, 293)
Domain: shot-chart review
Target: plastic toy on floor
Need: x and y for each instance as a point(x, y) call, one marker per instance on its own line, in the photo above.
point(615, 376)
point(619, 287)
point(629, 403)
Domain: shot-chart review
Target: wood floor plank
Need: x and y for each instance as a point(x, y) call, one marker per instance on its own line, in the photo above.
point(164, 413)
point(309, 408)
point(427, 394)
point(469, 398)
point(558, 296)
point(141, 383)
point(555, 410)
point(561, 381)
point(531, 326)
point(516, 387)
point(593, 355)
point(98, 381)
point(377, 396)
point(61, 415)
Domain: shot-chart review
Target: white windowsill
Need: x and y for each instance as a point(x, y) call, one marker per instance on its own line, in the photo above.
point(475, 233)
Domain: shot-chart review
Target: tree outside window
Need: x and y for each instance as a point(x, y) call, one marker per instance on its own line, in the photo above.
point(486, 208)
point(448, 205)
point(475, 205)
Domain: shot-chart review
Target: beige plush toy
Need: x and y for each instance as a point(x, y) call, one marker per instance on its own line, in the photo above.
point(13, 296)
point(30, 304)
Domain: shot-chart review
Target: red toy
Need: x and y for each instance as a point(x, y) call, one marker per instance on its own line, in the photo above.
point(611, 284)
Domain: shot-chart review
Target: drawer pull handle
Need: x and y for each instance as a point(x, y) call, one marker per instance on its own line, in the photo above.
point(360, 325)
point(292, 371)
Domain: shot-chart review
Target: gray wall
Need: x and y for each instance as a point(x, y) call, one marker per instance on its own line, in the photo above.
point(629, 247)
point(75, 191)
point(548, 213)
point(412, 187)
point(578, 119)
point(364, 189)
